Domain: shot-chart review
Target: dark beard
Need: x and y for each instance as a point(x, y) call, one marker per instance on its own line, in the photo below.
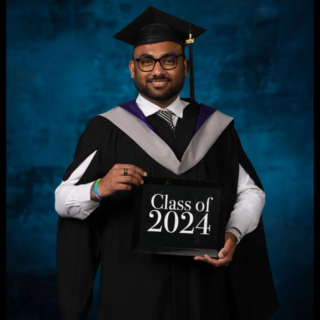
point(160, 96)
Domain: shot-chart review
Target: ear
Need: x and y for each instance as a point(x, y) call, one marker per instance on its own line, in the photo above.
point(131, 68)
point(186, 66)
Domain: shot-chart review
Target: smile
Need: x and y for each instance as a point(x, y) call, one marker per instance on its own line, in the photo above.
point(159, 83)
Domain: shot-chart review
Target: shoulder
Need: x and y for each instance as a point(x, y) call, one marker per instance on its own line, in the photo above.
point(98, 126)
point(214, 119)
point(211, 110)
point(96, 130)
point(97, 121)
point(91, 139)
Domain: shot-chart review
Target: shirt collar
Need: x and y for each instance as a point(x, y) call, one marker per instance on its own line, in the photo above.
point(148, 108)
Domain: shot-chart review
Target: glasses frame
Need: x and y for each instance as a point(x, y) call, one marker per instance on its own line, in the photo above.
point(159, 60)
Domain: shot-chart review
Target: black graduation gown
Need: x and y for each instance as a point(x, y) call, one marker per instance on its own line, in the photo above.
point(137, 286)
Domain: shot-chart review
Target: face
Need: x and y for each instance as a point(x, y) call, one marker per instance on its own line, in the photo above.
point(159, 86)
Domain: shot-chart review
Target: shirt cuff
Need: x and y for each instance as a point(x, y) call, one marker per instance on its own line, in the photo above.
point(81, 205)
point(240, 223)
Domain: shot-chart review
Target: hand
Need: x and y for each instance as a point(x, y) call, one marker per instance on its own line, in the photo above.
point(115, 180)
point(225, 255)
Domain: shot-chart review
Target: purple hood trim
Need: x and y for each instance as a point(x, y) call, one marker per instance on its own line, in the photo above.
point(204, 113)
point(133, 108)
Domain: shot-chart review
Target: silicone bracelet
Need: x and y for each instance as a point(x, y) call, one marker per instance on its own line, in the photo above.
point(95, 189)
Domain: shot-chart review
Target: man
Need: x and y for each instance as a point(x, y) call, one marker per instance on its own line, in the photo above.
point(114, 155)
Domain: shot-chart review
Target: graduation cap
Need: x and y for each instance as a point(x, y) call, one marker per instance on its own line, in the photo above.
point(154, 25)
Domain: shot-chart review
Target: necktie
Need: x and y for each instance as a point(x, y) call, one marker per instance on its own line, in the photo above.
point(167, 115)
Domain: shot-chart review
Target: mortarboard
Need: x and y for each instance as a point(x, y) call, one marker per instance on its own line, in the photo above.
point(154, 25)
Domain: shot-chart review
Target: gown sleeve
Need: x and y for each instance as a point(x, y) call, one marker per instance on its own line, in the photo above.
point(89, 141)
point(250, 275)
point(79, 241)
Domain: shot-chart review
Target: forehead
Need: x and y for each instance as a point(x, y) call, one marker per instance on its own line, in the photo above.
point(158, 49)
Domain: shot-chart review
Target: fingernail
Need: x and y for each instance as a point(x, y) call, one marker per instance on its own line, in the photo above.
point(145, 174)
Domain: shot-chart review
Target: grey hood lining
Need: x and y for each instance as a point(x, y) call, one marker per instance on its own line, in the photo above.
point(157, 149)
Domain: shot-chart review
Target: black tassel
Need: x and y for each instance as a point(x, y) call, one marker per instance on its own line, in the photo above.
point(190, 42)
point(191, 73)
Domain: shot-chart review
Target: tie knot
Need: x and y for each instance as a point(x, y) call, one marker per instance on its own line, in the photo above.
point(167, 116)
point(168, 112)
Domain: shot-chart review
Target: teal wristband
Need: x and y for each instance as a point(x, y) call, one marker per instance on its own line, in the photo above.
point(95, 189)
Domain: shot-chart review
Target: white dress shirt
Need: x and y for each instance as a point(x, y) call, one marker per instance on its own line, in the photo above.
point(74, 201)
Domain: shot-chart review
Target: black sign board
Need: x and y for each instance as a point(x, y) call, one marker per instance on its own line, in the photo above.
point(177, 217)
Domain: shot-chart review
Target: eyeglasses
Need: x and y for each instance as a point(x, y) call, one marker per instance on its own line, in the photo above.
point(167, 62)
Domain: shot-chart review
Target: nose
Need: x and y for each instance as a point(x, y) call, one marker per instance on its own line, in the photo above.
point(157, 69)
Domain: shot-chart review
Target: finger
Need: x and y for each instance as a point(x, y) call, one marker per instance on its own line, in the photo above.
point(225, 256)
point(139, 171)
point(127, 170)
point(222, 253)
point(136, 180)
point(133, 173)
point(207, 259)
point(130, 169)
point(115, 180)
point(212, 261)
point(122, 187)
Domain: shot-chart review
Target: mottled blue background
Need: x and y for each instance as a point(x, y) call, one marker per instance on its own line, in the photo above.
point(255, 63)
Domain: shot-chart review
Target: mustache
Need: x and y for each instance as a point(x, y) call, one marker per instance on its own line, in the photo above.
point(161, 77)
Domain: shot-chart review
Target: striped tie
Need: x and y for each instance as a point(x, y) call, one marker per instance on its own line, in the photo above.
point(167, 115)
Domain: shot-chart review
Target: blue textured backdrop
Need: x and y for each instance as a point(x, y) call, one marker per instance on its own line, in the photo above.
point(255, 63)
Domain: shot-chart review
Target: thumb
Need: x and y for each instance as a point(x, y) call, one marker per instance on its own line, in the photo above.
point(223, 253)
